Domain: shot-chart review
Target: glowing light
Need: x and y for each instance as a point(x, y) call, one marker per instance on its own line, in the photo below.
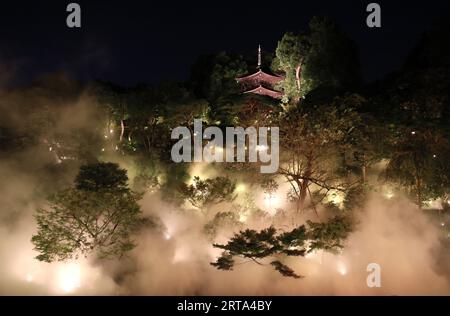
point(29, 278)
point(167, 236)
point(310, 255)
point(442, 224)
point(342, 268)
point(50, 149)
point(272, 201)
point(111, 131)
point(434, 156)
point(103, 149)
point(69, 277)
point(240, 187)
point(181, 254)
point(106, 136)
point(242, 218)
point(448, 202)
point(389, 195)
point(413, 133)
point(337, 198)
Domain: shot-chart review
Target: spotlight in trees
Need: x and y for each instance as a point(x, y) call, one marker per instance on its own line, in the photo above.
point(69, 277)
point(342, 268)
point(389, 195)
point(29, 278)
point(272, 201)
point(240, 187)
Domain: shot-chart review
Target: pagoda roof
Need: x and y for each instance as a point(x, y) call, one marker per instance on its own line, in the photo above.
point(261, 76)
point(264, 91)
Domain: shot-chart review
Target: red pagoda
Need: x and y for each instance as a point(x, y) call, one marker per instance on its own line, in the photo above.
point(261, 82)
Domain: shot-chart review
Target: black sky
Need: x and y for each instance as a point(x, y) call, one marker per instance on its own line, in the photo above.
point(129, 42)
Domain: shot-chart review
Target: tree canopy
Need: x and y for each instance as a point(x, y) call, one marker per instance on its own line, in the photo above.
point(100, 215)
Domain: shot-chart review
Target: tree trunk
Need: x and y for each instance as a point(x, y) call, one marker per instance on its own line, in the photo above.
point(122, 130)
point(364, 174)
point(298, 75)
point(419, 192)
point(303, 186)
point(417, 175)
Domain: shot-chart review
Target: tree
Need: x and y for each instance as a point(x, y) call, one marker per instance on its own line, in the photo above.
point(213, 78)
point(113, 99)
point(255, 110)
point(269, 186)
point(313, 139)
point(269, 243)
point(202, 194)
point(146, 113)
point(221, 220)
point(367, 144)
point(291, 53)
point(101, 176)
point(99, 214)
point(332, 59)
point(419, 161)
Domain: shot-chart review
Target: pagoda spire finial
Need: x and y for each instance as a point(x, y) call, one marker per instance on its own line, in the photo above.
point(259, 57)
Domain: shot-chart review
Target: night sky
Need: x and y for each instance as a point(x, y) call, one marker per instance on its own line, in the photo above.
point(131, 42)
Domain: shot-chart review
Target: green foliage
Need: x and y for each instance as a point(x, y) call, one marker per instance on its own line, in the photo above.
point(254, 245)
point(224, 262)
point(269, 186)
point(221, 220)
point(419, 161)
point(332, 59)
point(213, 78)
point(176, 174)
point(356, 197)
point(101, 176)
point(99, 215)
point(313, 139)
point(248, 209)
point(284, 270)
point(202, 194)
point(328, 236)
point(323, 58)
point(291, 53)
point(147, 173)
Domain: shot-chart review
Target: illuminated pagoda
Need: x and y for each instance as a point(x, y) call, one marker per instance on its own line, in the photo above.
point(261, 82)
